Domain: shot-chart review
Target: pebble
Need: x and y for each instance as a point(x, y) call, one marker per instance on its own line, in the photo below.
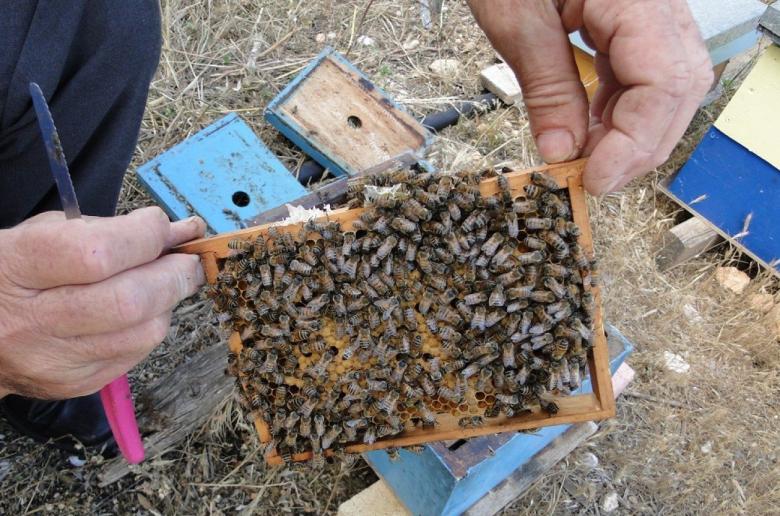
point(331, 35)
point(675, 362)
point(445, 67)
point(733, 279)
point(5, 468)
point(411, 45)
point(320, 38)
point(762, 302)
point(610, 502)
point(589, 460)
point(366, 41)
point(76, 461)
point(706, 447)
point(692, 314)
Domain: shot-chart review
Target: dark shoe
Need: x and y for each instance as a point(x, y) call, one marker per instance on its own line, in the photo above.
point(63, 423)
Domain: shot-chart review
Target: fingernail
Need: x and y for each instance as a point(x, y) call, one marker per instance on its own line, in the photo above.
point(556, 145)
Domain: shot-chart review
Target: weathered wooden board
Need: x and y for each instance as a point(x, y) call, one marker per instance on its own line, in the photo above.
point(685, 241)
point(724, 184)
point(223, 173)
point(177, 405)
point(751, 116)
point(341, 119)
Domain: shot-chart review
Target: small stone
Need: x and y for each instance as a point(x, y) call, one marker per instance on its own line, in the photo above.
point(468, 47)
point(589, 460)
point(762, 302)
point(692, 314)
point(76, 461)
point(445, 67)
point(366, 41)
point(320, 38)
point(610, 502)
point(706, 447)
point(676, 363)
point(411, 45)
point(732, 279)
point(331, 35)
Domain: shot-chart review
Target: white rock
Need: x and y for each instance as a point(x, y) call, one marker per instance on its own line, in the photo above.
point(411, 45)
point(676, 363)
point(692, 314)
point(445, 67)
point(367, 41)
point(320, 38)
point(5, 468)
point(706, 447)
point(331, 35)
point(762, 302)
point(732, 279)
point(610, 502)
point(589, 460)
point(76, 461)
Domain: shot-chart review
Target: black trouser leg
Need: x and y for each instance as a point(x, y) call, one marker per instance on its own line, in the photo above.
point(94, 60)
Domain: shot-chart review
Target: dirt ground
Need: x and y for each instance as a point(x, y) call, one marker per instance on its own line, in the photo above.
point(701, 442)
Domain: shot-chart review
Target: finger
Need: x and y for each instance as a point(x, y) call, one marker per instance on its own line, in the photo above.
point(656, 87)
point(185, 230)
point(702, 78)
point(122, 301)
point(79, 251)
point(532, 39)
point(100, 359)
point(608, 87)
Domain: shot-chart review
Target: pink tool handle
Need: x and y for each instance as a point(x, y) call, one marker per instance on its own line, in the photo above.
point(118, 405)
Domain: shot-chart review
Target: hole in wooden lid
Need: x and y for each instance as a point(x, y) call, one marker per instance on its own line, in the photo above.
point(354, 122)
point(240, 199)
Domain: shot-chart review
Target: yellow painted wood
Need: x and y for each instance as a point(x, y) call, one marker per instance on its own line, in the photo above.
point(751, 117)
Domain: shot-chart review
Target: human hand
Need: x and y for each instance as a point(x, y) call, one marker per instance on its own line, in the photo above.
point(84, 300)
point(653, 67)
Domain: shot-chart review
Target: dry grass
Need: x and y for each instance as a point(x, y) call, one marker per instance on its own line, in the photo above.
point(716, 454)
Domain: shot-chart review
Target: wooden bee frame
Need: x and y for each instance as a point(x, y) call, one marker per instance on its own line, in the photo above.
point(598, 405)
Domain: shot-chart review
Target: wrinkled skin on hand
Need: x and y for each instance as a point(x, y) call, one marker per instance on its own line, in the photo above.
point(653, 67)
point(82, 301)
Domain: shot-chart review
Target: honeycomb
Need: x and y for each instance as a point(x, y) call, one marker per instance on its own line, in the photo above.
point(438, 300)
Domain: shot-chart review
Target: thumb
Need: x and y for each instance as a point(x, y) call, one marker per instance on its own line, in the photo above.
point(530, 36)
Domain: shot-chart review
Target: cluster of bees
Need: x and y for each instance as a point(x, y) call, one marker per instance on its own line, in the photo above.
point(437, 300)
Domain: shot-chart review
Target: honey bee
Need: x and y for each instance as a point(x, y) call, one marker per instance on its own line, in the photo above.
point(542, 296)
point(494, 317)
point(545, 181)
point(531, 257)
point(471, 422)
point(549, 406)
point(476, 219)
point(403, 225)
point(497, 297)
point(426, 301)
point(478, 320)
point(415, 211)
point(490, 247)
point(330, 436)
point(533, 191)
point(411, 252)
point(237, 244)
point(475, 298)
point(507, 399)
point(437, 282)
